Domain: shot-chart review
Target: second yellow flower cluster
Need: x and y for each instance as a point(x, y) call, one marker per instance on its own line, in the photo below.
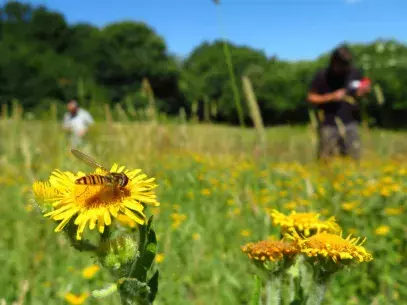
point(306, 233)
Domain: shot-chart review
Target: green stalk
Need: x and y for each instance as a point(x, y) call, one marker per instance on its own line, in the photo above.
point(232, 77)
point(317, 293)
point(288, 289)
point(233, 83)
point(273, 288)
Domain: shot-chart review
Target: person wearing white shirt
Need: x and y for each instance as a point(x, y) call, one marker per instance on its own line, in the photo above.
point(76, 122)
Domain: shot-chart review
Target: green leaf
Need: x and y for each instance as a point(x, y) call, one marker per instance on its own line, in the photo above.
point(153, 284)
point(149, 223)
point(255, 299)
point(132, 289)
point(147, 252)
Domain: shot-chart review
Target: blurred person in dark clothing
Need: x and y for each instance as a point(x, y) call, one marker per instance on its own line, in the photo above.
point(338, 118)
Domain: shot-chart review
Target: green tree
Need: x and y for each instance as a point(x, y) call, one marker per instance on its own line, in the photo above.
point(131, 51)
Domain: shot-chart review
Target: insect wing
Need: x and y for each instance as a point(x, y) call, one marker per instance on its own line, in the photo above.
point(88, 160)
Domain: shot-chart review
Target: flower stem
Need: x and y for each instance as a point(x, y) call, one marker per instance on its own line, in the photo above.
point(288, 289)
point(273, 289)
point(317, 292)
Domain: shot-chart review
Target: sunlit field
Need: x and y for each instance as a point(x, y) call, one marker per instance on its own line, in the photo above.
point(216, 188)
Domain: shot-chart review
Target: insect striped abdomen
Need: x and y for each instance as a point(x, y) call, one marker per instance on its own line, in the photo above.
point(92, 180)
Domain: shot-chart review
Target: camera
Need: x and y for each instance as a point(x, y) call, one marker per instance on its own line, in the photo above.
point(356, 84)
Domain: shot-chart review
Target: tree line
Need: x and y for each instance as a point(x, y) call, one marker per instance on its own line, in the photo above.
point(43, 59)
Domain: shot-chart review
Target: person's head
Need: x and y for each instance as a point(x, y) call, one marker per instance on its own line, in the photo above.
point(341, 61)
point(72, 106)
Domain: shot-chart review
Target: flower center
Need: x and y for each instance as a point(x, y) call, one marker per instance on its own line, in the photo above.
point(96, 196)
point(320, 241)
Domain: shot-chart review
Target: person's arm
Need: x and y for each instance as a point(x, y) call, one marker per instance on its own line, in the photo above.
point(88, 121)
point(315, 97)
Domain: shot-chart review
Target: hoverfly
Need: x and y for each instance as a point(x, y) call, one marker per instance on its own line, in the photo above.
point(111, 179)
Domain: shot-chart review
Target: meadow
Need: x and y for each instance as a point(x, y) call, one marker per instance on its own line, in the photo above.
point(216, 186)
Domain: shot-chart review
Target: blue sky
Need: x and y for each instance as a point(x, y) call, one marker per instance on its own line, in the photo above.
point(290, 29)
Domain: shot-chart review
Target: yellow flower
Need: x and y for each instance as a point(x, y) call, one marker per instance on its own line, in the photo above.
point(214, 181)
point(235, 211)
point(89, 272)
point(382, 230)
point(177, 219)
point(94, 204)
point(76, 299)
point(245, 233)
point(159, 258)
point(334, 246)
point(385, 191)
point(290, 205)
point(283, 193)
point(196, 236)
point(321, 191)
point(393, 211)
point(349, 206)
point(387, 180)
point(206, 192)
point(230, 202)
point(269, 250)
point(305, 223)
point(325, 212)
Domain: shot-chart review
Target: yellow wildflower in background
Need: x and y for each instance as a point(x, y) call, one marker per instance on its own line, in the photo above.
point(159, 258)
point(333, 246)
point(176, 207)
point(206, 192)
point(89, 272)
point(269, 250)
point(245, 233)
point(304, 223)
point(230, 201)
point(349, 206)
point(177, 219)
point(382, 230)
point(393, 211)
point(76, 299)
point(94, 204)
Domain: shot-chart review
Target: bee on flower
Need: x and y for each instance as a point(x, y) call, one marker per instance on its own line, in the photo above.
point(67, 197)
